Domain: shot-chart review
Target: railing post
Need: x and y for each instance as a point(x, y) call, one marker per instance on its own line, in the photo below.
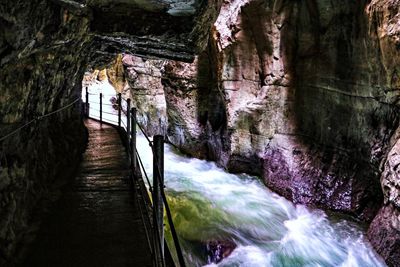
point(158, 185)
point(128, 125)
point(87, 103)
point(101, 108)
point(119, 109)
point(133, 139)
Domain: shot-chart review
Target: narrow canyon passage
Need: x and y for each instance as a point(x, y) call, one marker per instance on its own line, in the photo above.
point(226, 219)
point(96, 221)
point(301, 96)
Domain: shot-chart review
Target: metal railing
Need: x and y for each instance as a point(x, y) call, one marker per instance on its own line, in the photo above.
point(151, 213)
point(39, 118)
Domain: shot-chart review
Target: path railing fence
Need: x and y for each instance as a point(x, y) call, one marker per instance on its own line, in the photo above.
point(120, 113)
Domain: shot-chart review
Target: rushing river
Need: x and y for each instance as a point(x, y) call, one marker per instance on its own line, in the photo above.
point(209, 204)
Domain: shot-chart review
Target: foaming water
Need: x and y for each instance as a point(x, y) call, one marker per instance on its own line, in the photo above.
point(211, 204)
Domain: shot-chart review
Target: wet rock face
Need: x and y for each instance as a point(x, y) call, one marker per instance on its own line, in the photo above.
point(326, 103)
point(384, 231)
point(146, 91)
point(161, 28)
point(194, 107)
point(384, 234)
point(304, 94)
point(218, 250)
point(291, 100)
point(45, 48)
point(36, 58)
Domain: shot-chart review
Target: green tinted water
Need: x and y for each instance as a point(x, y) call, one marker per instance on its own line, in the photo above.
point(210, 204)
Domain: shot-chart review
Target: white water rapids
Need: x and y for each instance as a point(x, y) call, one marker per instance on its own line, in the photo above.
point(209, 204)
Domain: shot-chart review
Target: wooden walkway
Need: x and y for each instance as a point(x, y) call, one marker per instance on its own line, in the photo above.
point(96, 222)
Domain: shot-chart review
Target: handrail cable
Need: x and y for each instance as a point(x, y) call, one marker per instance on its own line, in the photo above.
point(109, 121)
point(123, 123)
point(143, 221)
point(96, 109)
point(145, 135)
point(110, 105)
point(160, 185)
point(169, 218)
point(109, 113)
point(17, 130)
point(164, 198)
point(144, 171)
point(104, 104)
point(37, 119)
point(158, 236)
point(147, 207)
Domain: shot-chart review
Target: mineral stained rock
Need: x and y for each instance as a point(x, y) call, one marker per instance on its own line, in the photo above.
point(45, 49)
point(303, 94)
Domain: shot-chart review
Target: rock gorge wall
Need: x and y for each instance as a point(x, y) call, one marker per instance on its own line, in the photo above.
point(305, 95)
point(35, 59)
point(384, 231)
point(146, 91)
point(45, 48)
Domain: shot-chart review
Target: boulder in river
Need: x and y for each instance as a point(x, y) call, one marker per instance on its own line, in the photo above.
point(218, 250)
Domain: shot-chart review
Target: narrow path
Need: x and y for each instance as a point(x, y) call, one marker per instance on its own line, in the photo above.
point(96, 221)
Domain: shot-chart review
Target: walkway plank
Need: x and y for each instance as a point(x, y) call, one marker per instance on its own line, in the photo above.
point(96, 222)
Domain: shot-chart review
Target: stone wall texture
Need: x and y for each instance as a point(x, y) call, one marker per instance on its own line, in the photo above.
point(35, 59)
point(303, 94)
point(45, 48)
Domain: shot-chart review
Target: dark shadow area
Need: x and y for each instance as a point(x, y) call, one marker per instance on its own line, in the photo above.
point(96, 222)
